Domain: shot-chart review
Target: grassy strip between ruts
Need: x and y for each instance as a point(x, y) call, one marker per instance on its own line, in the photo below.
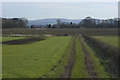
point(79, 68)
point(99, 68)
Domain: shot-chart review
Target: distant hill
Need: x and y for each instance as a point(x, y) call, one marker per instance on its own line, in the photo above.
point(52, 21)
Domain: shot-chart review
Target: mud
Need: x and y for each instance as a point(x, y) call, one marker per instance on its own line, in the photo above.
point(22, 41)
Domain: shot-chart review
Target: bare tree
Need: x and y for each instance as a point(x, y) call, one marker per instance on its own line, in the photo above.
point(58, 21)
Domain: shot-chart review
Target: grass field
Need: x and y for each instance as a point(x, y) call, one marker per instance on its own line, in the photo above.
point(50, 58)
point(112, 40)
point(33, 60)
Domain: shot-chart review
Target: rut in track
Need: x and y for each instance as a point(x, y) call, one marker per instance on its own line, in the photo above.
point(88, 62)
point(68, 68)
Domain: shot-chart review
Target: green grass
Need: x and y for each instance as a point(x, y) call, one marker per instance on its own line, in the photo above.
point(33, 60)
point(79, 68)
point(11, 38)
point(61, 67)
point(99, 68)
point(112, 40)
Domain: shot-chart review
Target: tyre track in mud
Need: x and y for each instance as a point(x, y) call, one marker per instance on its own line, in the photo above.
point(68, 68)
point(88, 62)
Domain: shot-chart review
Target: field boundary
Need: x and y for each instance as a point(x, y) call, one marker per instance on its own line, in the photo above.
point(108, 52)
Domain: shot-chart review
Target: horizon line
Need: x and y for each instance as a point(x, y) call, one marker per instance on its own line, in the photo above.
point(61, 18)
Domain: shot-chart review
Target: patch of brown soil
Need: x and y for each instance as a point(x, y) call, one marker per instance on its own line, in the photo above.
point(22, 41)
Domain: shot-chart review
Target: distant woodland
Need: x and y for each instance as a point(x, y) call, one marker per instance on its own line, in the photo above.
point(88, 22)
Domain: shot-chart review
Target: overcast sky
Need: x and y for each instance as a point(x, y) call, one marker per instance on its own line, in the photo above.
point(70, 10)
point(59, 0)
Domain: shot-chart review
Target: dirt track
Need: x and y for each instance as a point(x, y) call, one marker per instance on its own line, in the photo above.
point(22, 41)
point(88, 62)
point(68, 68)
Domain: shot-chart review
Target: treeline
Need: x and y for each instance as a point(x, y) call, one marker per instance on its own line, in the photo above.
point(96, 23)
point(88, 22)
point(14, 22)
point(63, 25)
